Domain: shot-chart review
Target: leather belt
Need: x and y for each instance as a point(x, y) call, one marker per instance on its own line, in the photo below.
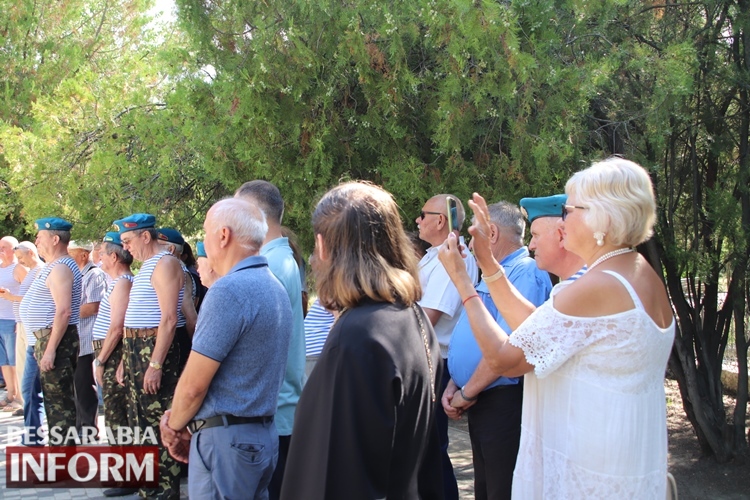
point(43, 333)
point(140, 333)
point(97, 344)
point(228, 420)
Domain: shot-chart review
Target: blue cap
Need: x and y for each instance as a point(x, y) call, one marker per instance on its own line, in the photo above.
point(52, 224)
point(134, 222)
point(548, 206)
point(112, 237)
point(171, 235)
point(200, 250)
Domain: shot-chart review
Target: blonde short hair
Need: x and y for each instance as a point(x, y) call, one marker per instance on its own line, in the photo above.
point(620, 200)
point(369, 251)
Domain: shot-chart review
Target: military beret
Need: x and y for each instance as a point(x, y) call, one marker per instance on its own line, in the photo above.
point(112, 237)
point(548, 206)
point(171, 235)
point(52, 224)
point(200, 250)
point(134, 222)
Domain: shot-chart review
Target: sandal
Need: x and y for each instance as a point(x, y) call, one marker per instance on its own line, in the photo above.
point(13, 406)
point(5, 402)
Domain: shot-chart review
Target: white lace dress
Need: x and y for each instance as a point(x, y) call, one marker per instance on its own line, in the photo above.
point(594, 409)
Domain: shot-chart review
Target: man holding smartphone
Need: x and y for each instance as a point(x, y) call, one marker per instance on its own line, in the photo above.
point(441, 301)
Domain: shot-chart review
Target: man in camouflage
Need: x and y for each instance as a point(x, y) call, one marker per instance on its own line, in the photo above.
point(50, 310)
point(151, 357)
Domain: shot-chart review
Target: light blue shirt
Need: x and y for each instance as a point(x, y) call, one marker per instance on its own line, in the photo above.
point(534, 284)
point(284, 267)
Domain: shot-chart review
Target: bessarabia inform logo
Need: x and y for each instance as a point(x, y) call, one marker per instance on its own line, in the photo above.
point(129, 460)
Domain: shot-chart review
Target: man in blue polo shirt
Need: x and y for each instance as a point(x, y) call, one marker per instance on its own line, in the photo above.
point(495, 416)
point(222, 414)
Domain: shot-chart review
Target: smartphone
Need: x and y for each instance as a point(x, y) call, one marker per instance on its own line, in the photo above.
point(452, 214)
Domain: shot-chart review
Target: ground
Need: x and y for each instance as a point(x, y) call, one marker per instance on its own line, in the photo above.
point(697, 477)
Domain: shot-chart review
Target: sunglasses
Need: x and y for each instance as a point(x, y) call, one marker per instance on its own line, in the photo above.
point(422, 214)
point(565, 208)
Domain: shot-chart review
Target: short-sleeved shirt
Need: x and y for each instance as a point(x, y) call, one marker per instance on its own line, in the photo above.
point(318, 323)
point(282, 264)
point(93, 287)
point(439, 293)
point(533, 283)
point(251, 343)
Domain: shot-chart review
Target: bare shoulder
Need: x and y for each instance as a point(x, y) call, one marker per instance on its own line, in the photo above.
point(594, 294)
point(60, 272)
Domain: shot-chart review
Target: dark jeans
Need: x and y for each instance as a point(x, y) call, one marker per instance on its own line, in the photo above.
point(495, 433)
point(87, 399)
point(450, 486)
point(274, 489)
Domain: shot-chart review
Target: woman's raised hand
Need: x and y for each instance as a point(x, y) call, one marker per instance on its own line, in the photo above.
point(481, 234)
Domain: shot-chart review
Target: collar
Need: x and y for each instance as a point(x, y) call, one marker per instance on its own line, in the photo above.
point(436, 249)
point(248, 262)
point(87, 267)
point(508, 262)
point(277, 242)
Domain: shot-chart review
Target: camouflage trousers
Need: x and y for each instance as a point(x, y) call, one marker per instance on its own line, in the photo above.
point(115, 396)
point(146, 410)
point(57, 384)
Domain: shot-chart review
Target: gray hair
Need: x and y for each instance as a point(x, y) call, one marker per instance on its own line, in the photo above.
point(63, 235)
point(123, 256)
point(508, 219)
point(27, 247)
point(176, 247)
point(12, 240)
point(246, 221)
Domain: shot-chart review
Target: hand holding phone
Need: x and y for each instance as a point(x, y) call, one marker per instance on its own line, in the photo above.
point(452, 210)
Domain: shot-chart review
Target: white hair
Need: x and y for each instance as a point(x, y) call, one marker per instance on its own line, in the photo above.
point(246, 221)
point(619, 197)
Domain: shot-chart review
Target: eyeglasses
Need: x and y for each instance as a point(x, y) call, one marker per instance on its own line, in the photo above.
point(566, 207)
point(422, 214)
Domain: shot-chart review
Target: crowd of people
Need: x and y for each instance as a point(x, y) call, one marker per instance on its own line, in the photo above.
point(262, 398)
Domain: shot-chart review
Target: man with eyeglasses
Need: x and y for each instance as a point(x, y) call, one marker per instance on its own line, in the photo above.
point(152, 320)
point(442, 304)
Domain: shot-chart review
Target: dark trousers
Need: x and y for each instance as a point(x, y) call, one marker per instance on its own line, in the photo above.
point(274, 489)
point(115, 396)
point(495, 432)
point(57, 384)
point(145, 410)
point(87, 399)
point(450, 486)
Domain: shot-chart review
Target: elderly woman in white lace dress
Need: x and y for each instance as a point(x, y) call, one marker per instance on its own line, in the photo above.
point(594, 355)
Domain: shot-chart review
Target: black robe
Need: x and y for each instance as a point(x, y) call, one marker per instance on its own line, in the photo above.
point(364, 426)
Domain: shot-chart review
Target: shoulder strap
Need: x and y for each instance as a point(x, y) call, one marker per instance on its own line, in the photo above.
point(634, 296)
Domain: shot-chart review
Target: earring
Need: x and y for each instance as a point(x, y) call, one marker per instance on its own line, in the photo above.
point(599, 237)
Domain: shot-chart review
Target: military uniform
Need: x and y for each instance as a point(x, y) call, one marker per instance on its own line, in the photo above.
point(37, 311)
point(141, 324)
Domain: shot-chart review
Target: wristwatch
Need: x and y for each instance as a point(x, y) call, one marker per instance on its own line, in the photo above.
point(155, 365)
point(97, 363)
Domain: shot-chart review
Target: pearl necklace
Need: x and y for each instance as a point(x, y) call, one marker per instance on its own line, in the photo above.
point(609, 255)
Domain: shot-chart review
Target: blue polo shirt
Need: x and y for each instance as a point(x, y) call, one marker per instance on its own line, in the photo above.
point(533, 283)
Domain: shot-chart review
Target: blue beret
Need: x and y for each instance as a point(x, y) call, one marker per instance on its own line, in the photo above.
point(548, 206)
point(200, 250)
point(171, 235)
point(134, 222)
point(112, 237)
point(52, 224)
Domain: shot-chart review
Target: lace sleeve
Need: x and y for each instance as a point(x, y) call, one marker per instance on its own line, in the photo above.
point(548, 339)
